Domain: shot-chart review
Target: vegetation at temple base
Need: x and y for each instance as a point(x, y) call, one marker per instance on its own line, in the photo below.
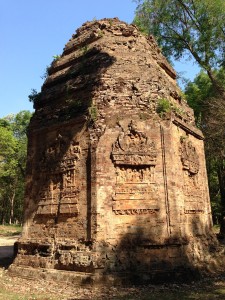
point(13, 149)
point(10, 230)
point(196, 29)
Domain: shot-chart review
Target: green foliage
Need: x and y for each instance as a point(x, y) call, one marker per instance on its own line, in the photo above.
point(183, 138)
point(73, 108)
point(47, 71)
point(164, 106)
point(197, 92)
point(193, 28)
point(34, 96)
point(13, 144)
point(110, 22)
point(73, 105)
point(10, 230)
point(214, 187)
point(93, 113)
point(178, 110)
point(209, 109)
point(56, 57)
point(196, 26)
point(100, 33)
point(84, 49)
point(20, 122)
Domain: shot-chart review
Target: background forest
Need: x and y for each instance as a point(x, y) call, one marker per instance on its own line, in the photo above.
point(195, 29)
point(183, 28)
point(13, 151)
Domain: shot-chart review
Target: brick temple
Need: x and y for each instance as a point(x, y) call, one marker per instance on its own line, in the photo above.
point(116, 183)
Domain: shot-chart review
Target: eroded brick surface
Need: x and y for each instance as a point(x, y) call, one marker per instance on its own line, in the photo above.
point(113, 185)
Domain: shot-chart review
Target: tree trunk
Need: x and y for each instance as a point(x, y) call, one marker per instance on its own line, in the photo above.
point(3, 218)
point(11, 217)
point(4, 210)
point(216, 84)
point(221, 178)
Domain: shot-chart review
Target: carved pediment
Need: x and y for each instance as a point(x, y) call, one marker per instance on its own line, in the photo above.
point(62, 154)
point(133, 148)
point(189, 157)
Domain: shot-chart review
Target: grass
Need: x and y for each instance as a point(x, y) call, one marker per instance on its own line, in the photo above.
point(216, 228)
point(7, 292)
point(4, 294)
point(179, 294)
point(10, 230)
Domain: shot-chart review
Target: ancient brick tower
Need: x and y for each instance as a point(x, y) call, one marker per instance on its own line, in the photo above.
point(116, 178)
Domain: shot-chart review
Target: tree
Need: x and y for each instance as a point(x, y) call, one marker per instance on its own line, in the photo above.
point(197, 93)
point(196, 28)
point(210, 115)
point(13, 143)
point(8, 146)
point(187, 28)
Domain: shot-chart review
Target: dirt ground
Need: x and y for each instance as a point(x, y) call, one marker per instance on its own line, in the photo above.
point(20, 288)
point(14, 288)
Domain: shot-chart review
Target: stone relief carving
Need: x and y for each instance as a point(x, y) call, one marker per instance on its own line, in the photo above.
point(133, 148)
point(134, 157)
point(60, 155)
point(193, 211)
point(189, 157)
point(192, 187)
point(138, 175)
point(134, 183)
point(136, 211)
point(61, 191)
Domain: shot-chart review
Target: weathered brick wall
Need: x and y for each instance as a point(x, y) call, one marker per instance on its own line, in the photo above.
point(114, 184)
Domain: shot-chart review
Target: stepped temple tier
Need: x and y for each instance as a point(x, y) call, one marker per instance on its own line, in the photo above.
point(116, 184)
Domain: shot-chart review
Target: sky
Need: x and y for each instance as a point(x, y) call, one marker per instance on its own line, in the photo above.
point(33, 31)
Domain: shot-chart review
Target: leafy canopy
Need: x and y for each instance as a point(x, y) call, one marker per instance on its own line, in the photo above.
point(13, 149)
point(209, 111)
point(196, 28)
point(186, 27)
point(200, 95)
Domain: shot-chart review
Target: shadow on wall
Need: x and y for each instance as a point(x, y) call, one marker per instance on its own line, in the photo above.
point(74, 87)
point(144, 252)
point(66, 104)
point(139, 258)
point(6, 256)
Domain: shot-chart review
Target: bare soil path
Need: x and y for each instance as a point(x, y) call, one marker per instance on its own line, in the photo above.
point(7, 249)
point(8, 240)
